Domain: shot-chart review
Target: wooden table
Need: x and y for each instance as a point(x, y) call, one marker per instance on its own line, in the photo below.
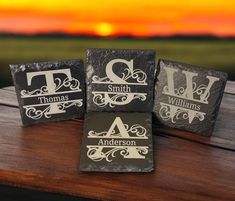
point(187, 166)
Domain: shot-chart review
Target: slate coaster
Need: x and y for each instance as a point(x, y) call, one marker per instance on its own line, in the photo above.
point(117, 142)
point(188, 97)
point(50, 91)
point(120, 80)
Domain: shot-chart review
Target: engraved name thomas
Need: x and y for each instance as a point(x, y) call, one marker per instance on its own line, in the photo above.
point(55, 96)
point(44, 99)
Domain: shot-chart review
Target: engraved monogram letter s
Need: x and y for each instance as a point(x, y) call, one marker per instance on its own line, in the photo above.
point(129, 77)
point(114, 78)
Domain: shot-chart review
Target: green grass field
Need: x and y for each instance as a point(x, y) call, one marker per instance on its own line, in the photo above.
point(215, 54)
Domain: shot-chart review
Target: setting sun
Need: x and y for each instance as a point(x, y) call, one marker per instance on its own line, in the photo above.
point(104, 29)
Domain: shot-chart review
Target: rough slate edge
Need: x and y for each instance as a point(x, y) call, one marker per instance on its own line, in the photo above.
point(39, 66)
point(218, 139)
point(44, 65)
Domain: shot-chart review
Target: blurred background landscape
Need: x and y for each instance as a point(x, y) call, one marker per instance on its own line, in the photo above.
point(198, 32)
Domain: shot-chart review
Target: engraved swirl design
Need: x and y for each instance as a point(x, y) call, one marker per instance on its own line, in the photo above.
point(72, 84)
point(138, 75)
point(135, 130)
point(41, 91)
point(35, 114)
point(198, 90)
point(98, 154)
point(99, 99)
point(166, 113)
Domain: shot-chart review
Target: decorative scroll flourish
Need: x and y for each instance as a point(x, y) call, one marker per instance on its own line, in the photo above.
point(138, 130)
point(64, 105)
point(142, 150)
point(41, 91)
point(100, 134)
point(135, 130)
point(100, 100)
point(137, 75)
point(128, 76)
point(140, 96)
point(200, 116)
point(199, 90)
point(96, 78)
point(96, 153)
point(34, 113)
point(174, 113)
point(73, 84)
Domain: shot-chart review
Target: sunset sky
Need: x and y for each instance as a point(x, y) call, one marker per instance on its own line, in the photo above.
point(139, 18)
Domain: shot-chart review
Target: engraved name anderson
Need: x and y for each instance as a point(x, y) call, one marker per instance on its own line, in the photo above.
point(114, 142)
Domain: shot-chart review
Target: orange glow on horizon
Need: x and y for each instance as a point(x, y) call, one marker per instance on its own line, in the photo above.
point(115, 18)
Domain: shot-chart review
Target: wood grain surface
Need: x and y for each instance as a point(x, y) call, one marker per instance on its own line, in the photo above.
point(187, 166)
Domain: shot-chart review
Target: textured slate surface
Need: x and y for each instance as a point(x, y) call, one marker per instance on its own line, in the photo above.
point(117, 142)
point(120, 80)
point(188, 97)
point(49, 91)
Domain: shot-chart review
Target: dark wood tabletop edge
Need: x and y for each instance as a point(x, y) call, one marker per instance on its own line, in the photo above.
point(46, 185)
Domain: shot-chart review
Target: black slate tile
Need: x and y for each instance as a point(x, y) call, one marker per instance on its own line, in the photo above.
point(188, 97)
point(120, 80)
point(50, 91)
point(117, 142)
